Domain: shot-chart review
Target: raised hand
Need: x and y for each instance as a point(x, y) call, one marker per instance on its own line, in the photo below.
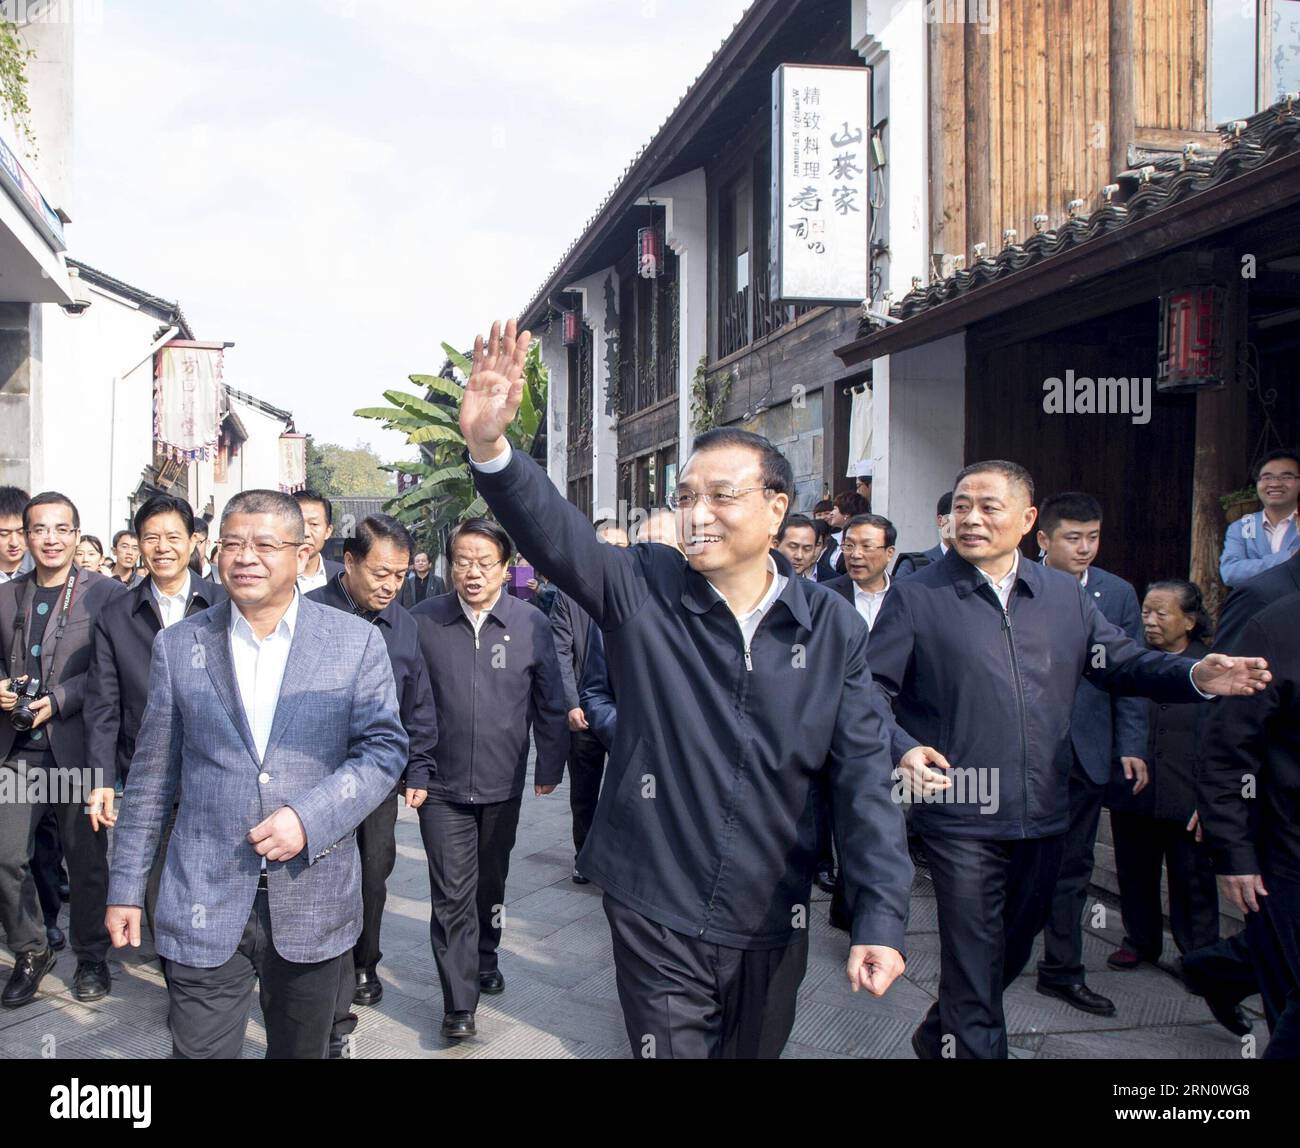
point(1231, 677)
point(494, 391)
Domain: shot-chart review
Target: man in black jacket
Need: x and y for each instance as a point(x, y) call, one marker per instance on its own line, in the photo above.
point(571, 625)
point(117, 686)
point(735, 686)
point(421, 582)
point(45, 626)
point(1249, 779)
point(375, 560)
point(982, 653)
point(491, 661)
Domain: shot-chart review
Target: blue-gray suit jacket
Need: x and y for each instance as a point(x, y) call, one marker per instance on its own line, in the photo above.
point(336, 749)
point(1246, 550)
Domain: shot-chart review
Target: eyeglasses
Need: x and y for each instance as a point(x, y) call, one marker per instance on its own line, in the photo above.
point(485, 567)
point(1287, 476)
point(62, 531)
point(685, 499)
point(262, 547)
point(854, 549)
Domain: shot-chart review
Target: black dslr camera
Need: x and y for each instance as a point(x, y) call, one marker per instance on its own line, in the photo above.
point(28, 690)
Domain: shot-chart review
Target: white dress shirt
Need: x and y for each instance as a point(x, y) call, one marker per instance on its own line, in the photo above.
point(171, 607)
point(259, 669)
point(1274, 534)
point(869, 602)
point(1002, 587)
point(309, 582)
point(476, 619)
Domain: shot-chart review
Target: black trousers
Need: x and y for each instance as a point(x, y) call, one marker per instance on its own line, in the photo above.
point(1224, 969)
point(468, 847)
point(1143, 846)
point(1274, 939)
point(377, 844)
point(994, 898)
point(684, 998)
point(86, 853)
point(586, 768)
point(209, 1007)
point(47, 867)
point(1062, 962)
point(820, 795)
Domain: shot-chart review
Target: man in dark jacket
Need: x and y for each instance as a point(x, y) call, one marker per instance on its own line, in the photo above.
point(1247, 792)
point(421, 582)
point(1104, 728)
point(735, 687)
point(375, 559)
point(45, 626)
point(491, 661)
point(572, 627)
point(117, 686)
point(910, 563)
point(982, 653)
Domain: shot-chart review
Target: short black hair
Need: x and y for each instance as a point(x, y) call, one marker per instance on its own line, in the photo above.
point(1013, 472)
point(851, 503)
point(95, 542)
point(379, 528)
point(796, 521)
point(161, 504)
point(201, 526)
point(486, 528)
point(12, 501)
point(1273, 456)
point(823, 505)
point(778, 475)
point(944, 506)
point(1072, 506)
point(124, 534)
point(302, 496)
point(1190, 601)
point(51, 498)
point(878, 520)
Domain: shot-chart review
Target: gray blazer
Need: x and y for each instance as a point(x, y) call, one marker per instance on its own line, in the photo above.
point(336, 749)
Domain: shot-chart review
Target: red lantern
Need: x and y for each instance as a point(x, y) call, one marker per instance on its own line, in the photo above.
point(650, 252)
point(572, 328)
point(1191, 339)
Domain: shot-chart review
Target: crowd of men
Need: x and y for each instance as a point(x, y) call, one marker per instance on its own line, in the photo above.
point(745, 700)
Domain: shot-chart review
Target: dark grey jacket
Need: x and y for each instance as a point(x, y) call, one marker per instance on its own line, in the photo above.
point(704, 823)
point(489, 691)
point(571, 625)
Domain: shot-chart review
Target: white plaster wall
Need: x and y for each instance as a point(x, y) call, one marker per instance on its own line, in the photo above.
point(257, 465)
point(555, 358)
point(604, 440)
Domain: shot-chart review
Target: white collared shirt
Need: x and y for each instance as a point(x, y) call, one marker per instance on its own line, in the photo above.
point(1275, 534)
point(172, 607)
point(869, 602)
point(476, 619)
point(749, 621)
point(259, 669)
point(1002, 587)
point(309, 582)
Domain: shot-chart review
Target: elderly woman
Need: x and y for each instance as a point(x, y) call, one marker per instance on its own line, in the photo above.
point(1156, 825)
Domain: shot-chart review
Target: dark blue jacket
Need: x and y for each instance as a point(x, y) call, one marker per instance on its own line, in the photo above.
point(704, 823)
point(490, 691)
point(993, 691)
point(414, 694)
point(1105, 727)
point(905, 565)
point(595, 693)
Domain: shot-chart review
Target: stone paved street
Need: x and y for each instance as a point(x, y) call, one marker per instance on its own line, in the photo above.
point(560, 999)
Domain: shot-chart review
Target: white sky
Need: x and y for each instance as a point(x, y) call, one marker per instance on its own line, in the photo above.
point(338, 185)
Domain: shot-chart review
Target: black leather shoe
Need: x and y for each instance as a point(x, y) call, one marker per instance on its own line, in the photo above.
point(91, 981)
point(26, 977)
point(491, 983)
point(826, 880)
point(579, 879)
point(458, 1025)
point(340, 1047)
point(370, 990)
point(55, 936)
point(1228, 1013)
point(1080, 997)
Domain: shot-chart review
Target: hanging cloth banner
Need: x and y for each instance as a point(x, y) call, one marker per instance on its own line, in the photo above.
point(186, 400)
point(293, 462)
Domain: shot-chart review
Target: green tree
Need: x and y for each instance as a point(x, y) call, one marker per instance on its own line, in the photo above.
point(349, 471)
point(445, 494)
point(14, 55)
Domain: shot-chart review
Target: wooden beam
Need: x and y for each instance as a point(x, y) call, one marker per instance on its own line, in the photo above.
point(981, 103)
point(1121, 77)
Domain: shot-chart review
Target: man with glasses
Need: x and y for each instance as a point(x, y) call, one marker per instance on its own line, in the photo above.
point(738, 687)
point(495, 676)
point(126, 559)
point(277, 720)
point(1260, 541)
point(375, 562)
point(868, 550)
point(45, 629)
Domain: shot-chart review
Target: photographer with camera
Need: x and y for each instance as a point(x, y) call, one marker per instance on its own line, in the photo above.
point(45, 628)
